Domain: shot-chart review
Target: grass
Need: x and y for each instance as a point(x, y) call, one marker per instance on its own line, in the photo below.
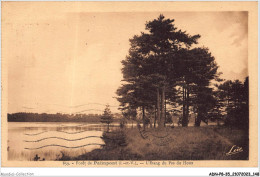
point(188, 143)
point(179, 143)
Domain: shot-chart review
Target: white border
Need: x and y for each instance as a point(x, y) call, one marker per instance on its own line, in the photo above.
point(174, 171)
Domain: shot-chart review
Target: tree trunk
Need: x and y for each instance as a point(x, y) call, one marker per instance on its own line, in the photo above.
point(158, 109)
point(187, 104)
point(155, 117)
point(184, 117)
point(143, 118)
point(162, 103)
point(165, 112)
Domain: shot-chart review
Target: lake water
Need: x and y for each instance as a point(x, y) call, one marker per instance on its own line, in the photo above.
point(51, 140)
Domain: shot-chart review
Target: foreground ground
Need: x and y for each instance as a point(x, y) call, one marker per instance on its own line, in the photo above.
point(179, 143)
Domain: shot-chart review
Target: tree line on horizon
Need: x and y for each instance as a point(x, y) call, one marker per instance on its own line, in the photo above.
point(58, 117)
point(165, 71)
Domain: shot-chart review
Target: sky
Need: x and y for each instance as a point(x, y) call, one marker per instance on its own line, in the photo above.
point(61, 59)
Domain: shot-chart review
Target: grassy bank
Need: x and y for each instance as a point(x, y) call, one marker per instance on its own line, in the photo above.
point(179, 143)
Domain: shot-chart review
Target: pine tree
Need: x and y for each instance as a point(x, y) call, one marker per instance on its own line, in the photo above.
point(234, 97)
point(107, 117)
point(152, 60)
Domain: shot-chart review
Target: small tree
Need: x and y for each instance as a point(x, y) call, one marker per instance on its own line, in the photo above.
point(107, 117)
